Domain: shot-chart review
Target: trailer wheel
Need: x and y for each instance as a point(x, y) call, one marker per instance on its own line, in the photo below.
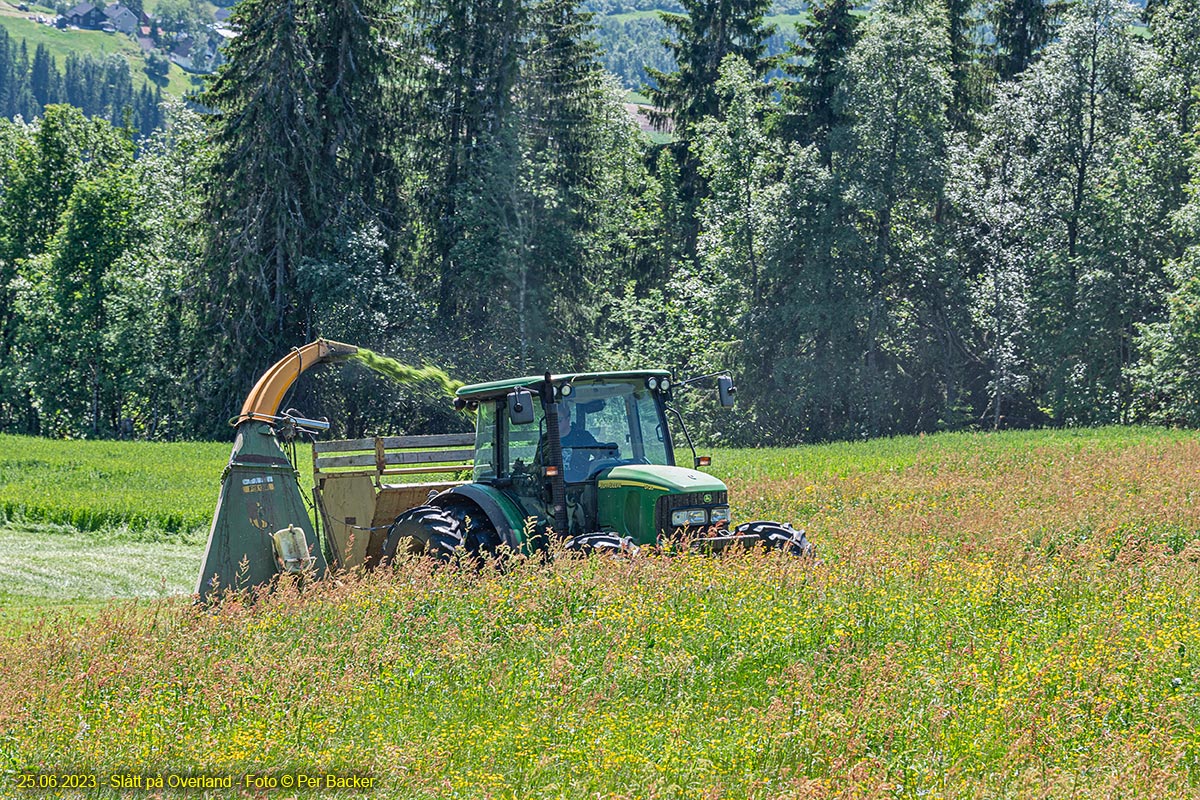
point(423, 530)
point(777, 536)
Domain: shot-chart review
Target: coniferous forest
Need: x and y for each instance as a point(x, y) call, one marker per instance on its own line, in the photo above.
point(925, 215)
point(100, 87)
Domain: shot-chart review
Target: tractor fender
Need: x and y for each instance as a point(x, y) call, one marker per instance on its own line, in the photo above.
point(500, 510)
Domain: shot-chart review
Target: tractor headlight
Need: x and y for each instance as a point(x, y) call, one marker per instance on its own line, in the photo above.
point(689, 516)
point(720, 515)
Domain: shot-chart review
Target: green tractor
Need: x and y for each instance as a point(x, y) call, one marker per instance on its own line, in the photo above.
point(586, 457)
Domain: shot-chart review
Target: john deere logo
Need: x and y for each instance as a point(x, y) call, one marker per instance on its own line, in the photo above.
point(708, 498)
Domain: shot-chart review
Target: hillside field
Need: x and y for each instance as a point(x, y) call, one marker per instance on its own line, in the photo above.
point(95, 43)
point(999, 615)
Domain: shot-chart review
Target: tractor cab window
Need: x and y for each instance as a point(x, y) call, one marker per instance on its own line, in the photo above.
point(608, 424)
point(651, 427)
point(601, 424)
point(522, 440)
point(485, 442)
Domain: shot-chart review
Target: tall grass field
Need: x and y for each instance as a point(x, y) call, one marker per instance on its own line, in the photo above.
point(990, 615)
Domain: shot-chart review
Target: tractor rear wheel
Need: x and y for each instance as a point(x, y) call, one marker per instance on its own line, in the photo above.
point(423, 530)
point(777, 536)
point(479, 534)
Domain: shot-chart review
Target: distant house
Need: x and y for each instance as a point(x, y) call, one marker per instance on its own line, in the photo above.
point(86, 15)
point(122, 18)
point(182, 49)
point(186, 52)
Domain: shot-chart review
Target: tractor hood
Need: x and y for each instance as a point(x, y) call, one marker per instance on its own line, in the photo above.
point(654, 477)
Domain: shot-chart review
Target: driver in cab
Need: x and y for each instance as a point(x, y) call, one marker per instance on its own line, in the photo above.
point(575, 462)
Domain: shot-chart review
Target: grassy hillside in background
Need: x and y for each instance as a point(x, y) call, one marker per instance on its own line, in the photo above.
point(95, 43)
point(1004, 615)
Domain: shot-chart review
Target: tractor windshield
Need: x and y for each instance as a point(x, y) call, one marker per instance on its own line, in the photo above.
point(604, 424)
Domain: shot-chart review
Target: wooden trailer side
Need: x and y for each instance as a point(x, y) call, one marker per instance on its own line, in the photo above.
point(354, 490)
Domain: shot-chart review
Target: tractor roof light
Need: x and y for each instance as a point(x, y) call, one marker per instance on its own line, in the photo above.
point(565, 390)
point(666, 384)
point(652, 384)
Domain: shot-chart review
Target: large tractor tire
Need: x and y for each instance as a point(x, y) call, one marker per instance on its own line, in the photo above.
point(479, 534)
point(777, 536)
point(423, 530)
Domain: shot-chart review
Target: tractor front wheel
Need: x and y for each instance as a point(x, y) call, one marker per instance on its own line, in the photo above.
point(423, 530)
point(777, 536)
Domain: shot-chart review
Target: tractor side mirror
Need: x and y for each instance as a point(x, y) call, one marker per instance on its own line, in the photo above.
point(520, 407)
point(726, 390)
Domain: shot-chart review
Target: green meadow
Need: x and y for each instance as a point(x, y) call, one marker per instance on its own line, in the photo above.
point(990, 615)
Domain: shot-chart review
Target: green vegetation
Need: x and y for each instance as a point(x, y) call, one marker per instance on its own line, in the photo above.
point(97, 44)
point(992, 615)
point(95, 485)
point(405, 374)
point(944, 215)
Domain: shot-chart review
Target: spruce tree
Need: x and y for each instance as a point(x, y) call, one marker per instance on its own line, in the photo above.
point(7, 78)
point(1022, 28)
point(350, 43)
point(295, 124)
point(458, 82)
point(966, 69)
point(42, 77)
point(807, 105)
point(24, 103)
point(699, 40)
point(266, 197)
point(562, 103)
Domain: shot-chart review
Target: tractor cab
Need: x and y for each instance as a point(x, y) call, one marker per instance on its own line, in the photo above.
point(590, 454)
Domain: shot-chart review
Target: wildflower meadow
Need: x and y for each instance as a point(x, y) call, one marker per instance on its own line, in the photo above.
point(989, 615)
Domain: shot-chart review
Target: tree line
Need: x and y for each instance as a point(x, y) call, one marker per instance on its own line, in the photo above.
point(943, 214)
point(102, 87)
